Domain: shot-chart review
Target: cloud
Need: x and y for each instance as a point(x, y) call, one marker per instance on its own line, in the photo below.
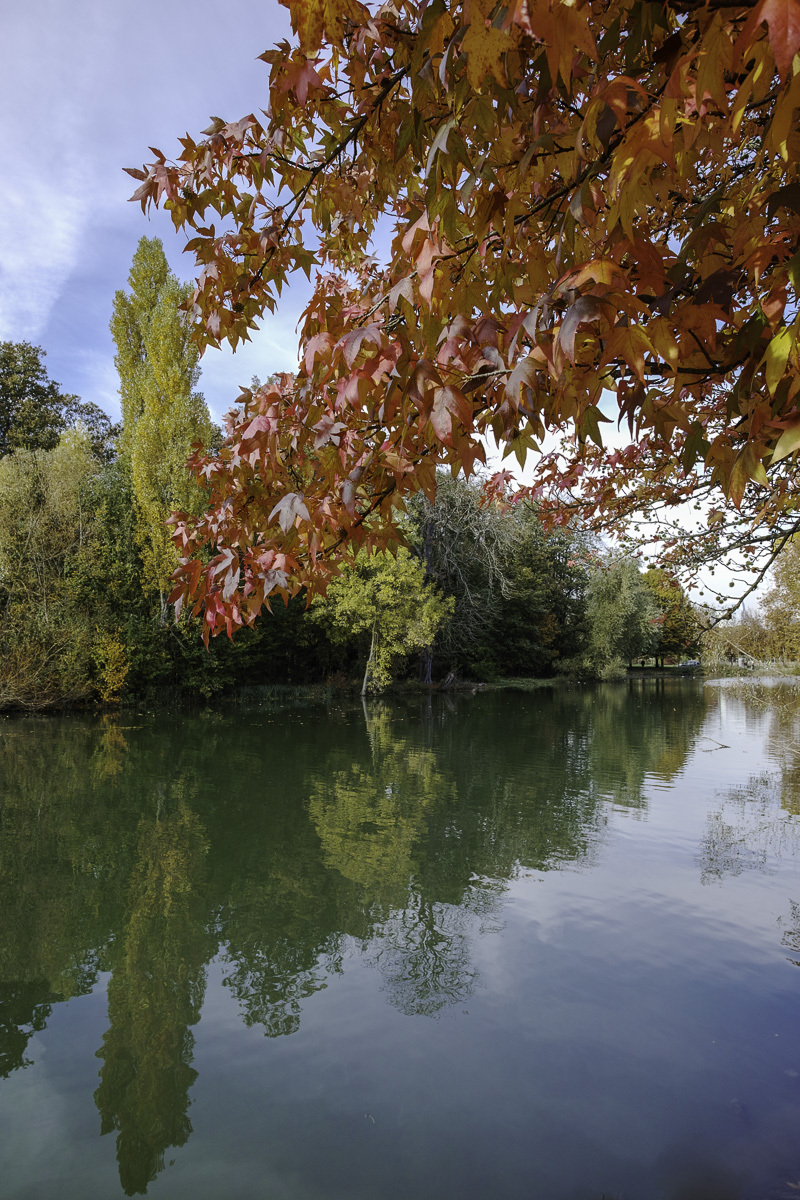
point(46, 187)
point(35, 267)
point(85, 88)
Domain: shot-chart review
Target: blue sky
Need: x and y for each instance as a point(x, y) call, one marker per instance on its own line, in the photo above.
point(85, 88)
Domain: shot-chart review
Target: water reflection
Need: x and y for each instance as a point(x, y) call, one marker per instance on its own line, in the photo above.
point(155, 994)
point(756, 826)
point(284, 842)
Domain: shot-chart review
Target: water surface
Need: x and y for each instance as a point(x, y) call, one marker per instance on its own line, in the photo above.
point(505, 945)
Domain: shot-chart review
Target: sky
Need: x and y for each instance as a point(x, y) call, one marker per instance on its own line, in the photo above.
point(85, 88)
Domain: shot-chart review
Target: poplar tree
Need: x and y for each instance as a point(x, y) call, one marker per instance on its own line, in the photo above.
point(162, 414)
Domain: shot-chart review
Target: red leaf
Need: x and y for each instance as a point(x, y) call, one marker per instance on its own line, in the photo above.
point(782, 18)
point(448, 404)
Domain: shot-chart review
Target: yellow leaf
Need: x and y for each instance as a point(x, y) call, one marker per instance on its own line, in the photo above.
point(776, 357)
point(484, 49)
point(783, 118)
point(308, 18)
point(788, 442)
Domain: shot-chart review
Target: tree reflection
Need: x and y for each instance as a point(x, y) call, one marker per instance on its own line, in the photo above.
point(424, 953)
point(370, 812)
point(62, 874)
point(756, 826)
point(154, 995)
point(24, 1009)
point(144, 848)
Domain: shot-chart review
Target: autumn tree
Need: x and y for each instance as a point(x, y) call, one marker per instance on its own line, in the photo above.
point(594, 208)
point(679, 625)
point(162, 414)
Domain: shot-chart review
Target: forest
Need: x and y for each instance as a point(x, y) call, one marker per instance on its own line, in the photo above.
point(477, 591)
point(592, 211)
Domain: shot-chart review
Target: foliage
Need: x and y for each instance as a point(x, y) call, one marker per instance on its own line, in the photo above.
point(162, 414)
point(33, 410)
point(544, 621)
point(679, 626)
point(771, 634)
point(388, 599)
point(518, 589)
point(111, 662)
point(593, 206)
point(465, 548)
point(46, 529)
point(781, 609)
point(623, 618)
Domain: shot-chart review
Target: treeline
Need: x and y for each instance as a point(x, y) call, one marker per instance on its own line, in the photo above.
point(770, 633)
point(86, 558)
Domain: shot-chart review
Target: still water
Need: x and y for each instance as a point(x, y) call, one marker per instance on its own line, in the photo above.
point(536, 946)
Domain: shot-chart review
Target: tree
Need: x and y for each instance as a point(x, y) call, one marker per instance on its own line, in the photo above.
point(162, 415)
point(465, 547)
point(388, 599)
point(543, 621)
point(47, 528)
point(34, 412)
point(781, 609)
point(623, 618)
point(517, 588)
point(594, 205)
point(679, 627)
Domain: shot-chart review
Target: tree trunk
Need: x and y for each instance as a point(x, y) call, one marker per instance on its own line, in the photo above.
point(426, 656)
point(369, 663)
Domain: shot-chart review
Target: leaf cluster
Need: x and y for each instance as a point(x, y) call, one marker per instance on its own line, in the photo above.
point(589, 207)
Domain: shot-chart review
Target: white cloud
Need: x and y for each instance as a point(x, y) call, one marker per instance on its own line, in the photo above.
point(85, 88)
point(40, 232)
point(46, 187)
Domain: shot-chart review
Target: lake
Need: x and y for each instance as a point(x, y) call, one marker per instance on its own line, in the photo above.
point(538, 945)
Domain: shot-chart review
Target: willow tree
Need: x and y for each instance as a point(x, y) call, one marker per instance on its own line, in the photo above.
point(595, 207)
point(162, 414)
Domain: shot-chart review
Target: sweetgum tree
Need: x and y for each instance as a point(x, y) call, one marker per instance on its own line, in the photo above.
point(587, 206)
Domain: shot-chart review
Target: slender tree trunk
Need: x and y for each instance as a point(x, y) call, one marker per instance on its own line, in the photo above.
point(426, 655)
point(369, 663)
